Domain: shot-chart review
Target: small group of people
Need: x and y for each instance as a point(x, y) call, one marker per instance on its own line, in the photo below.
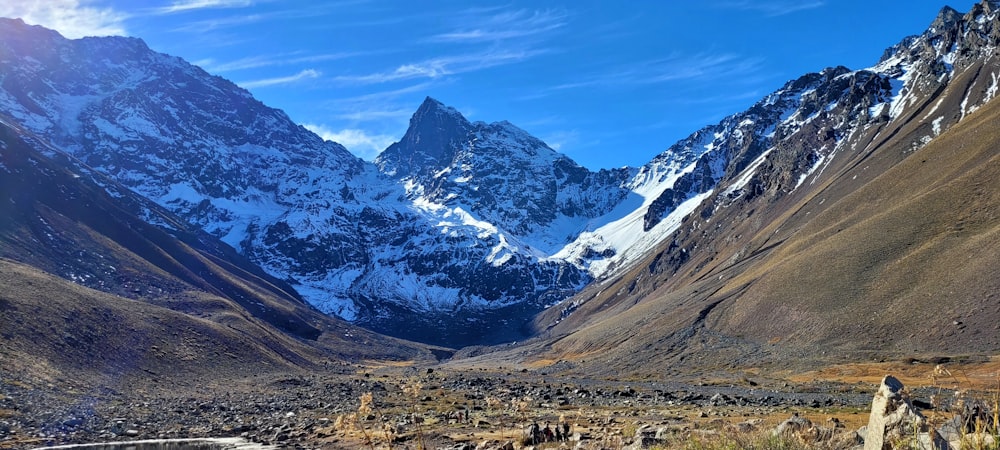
point(537, 435)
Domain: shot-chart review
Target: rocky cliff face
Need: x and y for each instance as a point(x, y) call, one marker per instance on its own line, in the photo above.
point(502, 175)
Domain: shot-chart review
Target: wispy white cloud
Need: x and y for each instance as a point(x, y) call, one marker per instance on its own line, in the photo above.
point(364, 145)
point(561, 140)
point(491, 25)
point(738, 97)
point(774, 8)
point(374, 114)
point(382, 107)
point(252, 62)
point(72, 18)
point(201, 26)
point(239, 20)
point(190, 5)
point(444, 66)
point(701, 67)
point(303, 75)
point(370, 122)
point(255, 62)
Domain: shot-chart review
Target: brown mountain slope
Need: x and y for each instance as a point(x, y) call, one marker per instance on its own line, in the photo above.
point(892, 251)
point(55, 330)
point(137, 301)
point(907, 263)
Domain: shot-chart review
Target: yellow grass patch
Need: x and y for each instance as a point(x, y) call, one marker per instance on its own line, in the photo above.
point(540, 363)
point(967, 375)
point(378, 364)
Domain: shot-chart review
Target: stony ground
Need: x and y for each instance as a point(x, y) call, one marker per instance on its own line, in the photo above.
point(413, 408)
point(378, 407)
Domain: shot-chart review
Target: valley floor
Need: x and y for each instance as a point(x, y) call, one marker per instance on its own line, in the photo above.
point(410, 407)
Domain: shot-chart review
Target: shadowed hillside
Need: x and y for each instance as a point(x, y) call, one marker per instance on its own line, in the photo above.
point(137, 300)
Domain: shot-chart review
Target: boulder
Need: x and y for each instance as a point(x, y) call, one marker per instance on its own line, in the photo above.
point(959, 434)
point(894, 420)
point(667, 432)
point(976, 440)
point(794, 425)
point(746, 426)
point(493, 444)
point(646, 436)
point(580, 436)
point(848, 439)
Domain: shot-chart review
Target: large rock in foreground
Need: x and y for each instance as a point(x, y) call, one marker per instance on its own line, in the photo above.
point(894, 421)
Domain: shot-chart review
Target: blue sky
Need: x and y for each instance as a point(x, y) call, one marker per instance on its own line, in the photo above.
point(608, 83)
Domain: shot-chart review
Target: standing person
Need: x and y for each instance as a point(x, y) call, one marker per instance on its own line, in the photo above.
point(533, 433)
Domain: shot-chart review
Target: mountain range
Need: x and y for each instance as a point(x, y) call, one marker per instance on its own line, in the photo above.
point(844, 195)
point(455, 235)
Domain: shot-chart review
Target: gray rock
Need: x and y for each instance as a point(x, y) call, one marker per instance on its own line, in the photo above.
point(73, 423)
point(976, 440)
point(848, 439)
point(641, 443)
point(495, 445)
point(645, 430)
point(793, 425)
point(747, 425)
point(951, 430)
point(117, 427)
point(893, 419)
point(459, 446)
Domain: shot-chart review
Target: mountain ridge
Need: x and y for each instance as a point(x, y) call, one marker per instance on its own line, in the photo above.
point(354, 243)
point(851, 240)
point(472, 219)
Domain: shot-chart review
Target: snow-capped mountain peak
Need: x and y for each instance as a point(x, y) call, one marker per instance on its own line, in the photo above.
point(435, 132)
